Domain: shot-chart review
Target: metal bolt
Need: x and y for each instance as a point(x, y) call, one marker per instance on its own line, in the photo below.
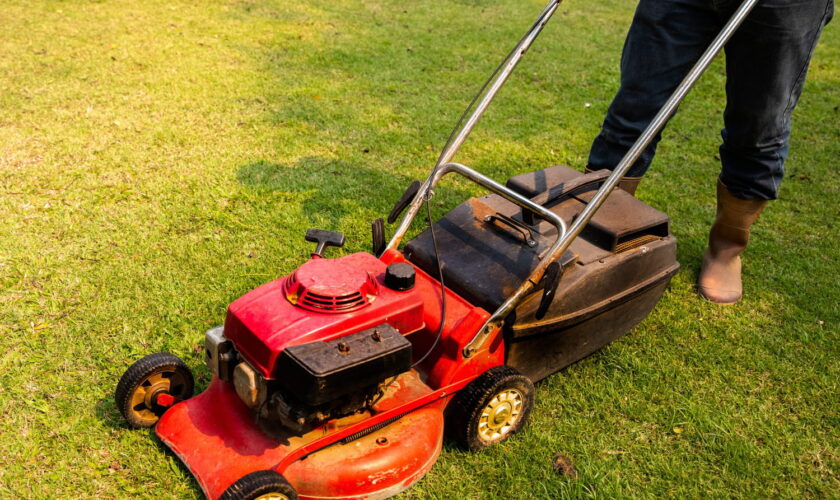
point(343, 348)
point(377, 337)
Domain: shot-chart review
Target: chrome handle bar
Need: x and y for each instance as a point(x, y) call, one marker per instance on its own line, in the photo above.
point(564, 236)
point(426, 191)
point(512, 60)
point(551, 254)
point(459, 137)
point(623, 166)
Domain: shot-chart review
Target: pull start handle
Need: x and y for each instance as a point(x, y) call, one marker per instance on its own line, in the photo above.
point(324, 239)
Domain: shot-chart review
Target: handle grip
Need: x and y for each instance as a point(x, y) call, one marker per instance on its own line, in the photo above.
point(514, 224)
point(566, 189)
point(324, 239)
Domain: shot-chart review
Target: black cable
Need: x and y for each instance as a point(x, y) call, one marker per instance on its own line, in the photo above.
point(442, 287)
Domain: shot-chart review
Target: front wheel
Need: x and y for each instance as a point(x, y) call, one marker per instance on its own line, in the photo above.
point(491, 408)
point(150, 386)
point(260, 485)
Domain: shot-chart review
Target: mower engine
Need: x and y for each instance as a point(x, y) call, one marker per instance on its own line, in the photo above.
point(319, 343)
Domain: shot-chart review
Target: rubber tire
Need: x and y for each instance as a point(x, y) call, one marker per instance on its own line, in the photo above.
point(468, 404)
point(140, 371)
point(257, 484)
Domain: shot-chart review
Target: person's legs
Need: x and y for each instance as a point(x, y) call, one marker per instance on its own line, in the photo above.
point(766, 62)
point(665, 39)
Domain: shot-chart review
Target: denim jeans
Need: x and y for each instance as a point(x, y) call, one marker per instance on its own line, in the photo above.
point(766, 62)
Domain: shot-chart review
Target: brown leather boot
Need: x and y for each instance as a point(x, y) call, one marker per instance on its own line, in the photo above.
point(720, 273)
point(628, 184)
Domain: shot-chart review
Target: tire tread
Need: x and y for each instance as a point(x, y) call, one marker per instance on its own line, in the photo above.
point(258, 483)
point(139, 371)
point(468, 404)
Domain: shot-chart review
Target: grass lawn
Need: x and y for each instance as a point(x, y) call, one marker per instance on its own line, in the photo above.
point(159, 159)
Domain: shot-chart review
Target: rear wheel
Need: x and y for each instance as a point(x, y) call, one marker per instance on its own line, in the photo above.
point(491, 408)
point(150, 386)
point(260, 485)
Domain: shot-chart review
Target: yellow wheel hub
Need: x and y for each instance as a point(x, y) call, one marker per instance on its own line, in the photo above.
point(144, 397)
point(272, 496)
point(500, 415)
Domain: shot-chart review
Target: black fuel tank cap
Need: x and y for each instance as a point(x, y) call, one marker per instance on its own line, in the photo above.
point(400, 277)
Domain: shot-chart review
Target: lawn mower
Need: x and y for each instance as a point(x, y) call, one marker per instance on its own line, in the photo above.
point(338, 380)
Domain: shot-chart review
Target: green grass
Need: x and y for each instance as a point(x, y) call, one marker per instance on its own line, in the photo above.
point(159, 159)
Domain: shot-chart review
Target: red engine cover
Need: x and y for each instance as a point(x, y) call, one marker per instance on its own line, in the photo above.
point(264, 321)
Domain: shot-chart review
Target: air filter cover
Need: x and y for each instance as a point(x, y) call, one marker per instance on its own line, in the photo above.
point(319, 372)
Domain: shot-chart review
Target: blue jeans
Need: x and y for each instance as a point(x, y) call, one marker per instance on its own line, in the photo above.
point(766, 62)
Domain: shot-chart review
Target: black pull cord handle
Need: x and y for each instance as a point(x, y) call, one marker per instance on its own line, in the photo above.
point(324, 239)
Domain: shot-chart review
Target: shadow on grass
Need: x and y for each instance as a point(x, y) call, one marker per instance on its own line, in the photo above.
point(328, 189)
point(337, 179)
point(106, 410)
point(333, 189)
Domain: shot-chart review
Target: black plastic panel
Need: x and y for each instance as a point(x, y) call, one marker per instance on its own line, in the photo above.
point(320, 372)
point(613, 274)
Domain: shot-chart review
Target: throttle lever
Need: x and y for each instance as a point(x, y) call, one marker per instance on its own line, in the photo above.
point(549, 283)
point(406, 198)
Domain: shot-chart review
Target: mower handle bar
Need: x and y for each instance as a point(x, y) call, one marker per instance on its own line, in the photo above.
point(444, 165)
point(493, 86)
point(426, 190)
point(565, 237)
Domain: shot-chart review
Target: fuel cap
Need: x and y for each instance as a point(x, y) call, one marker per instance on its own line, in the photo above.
point(399, 276)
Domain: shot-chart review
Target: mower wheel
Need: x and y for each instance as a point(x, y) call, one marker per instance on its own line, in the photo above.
point(150, 386)
point(491, 408)
point(260, 485)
